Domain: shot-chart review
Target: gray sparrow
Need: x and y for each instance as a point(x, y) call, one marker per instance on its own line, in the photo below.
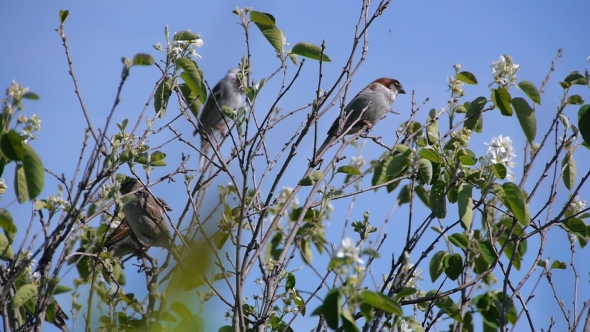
point(145, 216)
point(364, 110)
point(227, 92)
point(122, 241)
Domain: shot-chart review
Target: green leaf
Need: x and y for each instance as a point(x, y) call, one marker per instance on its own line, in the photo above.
point(558, 265)
point(11, 145)
point(29, 176)
point(142, 59)
point(473, 114)
point(576, 226)
point(192, 100)
point(460, 240)
point(311, 178)
point(424, 171)
point(531, 91)
point(465, 203)
point(290, 281)
point(379, 174)
point(6, 252)
point(575, 100)
point(185, 35)
point(163, 92)
point(526, 117)
point(60, 289)
point(584, 123)
point(499, 171)
point(382, 302)
point(350, 170)
point(447, 304)
point(399, 162)
point(332, 308)
point(432, 129)
point(406, 291)
point(371, 253)
point(453, 266)
point(568, 164)
point(348, 322)
point(311, 51)
point(192, 76)
point(576, 78)
point(501, 98)
point(438, 202)
point(30, 95)
point(487, 251)
point(23, 294)
point(422, 194)
point(517, 203)
point(436, 266)
point(266, 24)
point(467, 77)
point(6, 222)
point(63, 15)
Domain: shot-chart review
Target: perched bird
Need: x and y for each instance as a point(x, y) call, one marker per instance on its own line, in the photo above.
point(122, 241)
point(145, 217)
point(227, 92)
point(365, 109)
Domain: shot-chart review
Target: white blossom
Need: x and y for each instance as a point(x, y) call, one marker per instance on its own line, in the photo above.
point(577, 205)
point(504, 71)
point(348, 249)
point(501, 151)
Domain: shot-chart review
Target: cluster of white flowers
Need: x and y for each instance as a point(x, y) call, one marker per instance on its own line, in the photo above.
point(504, 71)
point(56, 202)
point(577, 205)
point(348, 249)
point(501, 151)
point(16, 91)
point(455, 85)
point(30, 126)
point(178, 48)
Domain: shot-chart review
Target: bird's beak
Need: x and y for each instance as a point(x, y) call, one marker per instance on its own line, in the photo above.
point(402, 91)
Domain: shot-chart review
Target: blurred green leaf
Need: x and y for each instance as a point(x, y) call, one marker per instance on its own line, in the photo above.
point(575, 100)
point(436, 265)
point(467, 77)
point(568, 164)
point(185, 35)
point(531, 91)
point(310, 51)
point(526, 117)
point(473, 115)
point(6, 252)
point(501, 98)
point(382, 302)
point(499, 171)
point(30, 95)
point(142, 59)
point(63, 15)
point(465, 203)
point(12, 145)
point(163, 92)
point(517, 203)
point(432, 128)
point(584, 122)
point(23, 294)
point(424, 171)
point(460, 240)
point(6, 221)
point(311, 178)
point(266, 24)
point(453, 266)
point(351, 170)
point(438, 202)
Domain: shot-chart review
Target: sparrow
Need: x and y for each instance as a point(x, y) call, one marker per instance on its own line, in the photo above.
point(226, 92)
point(364, 110)
point(122, 241)
point(145, 217)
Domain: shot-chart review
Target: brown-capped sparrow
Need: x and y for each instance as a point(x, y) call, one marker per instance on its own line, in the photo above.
point(122, 241)
point(364, 110)
point(145, 217)
point(227, 92)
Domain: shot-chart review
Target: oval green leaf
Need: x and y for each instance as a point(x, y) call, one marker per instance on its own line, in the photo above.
point(531, 91)
point(501, 98)
point(467, 77)
point(381, 301)
point(436, 265)
point(526, 117)
point(12, 145)
point(517, 203)
point(23, 294)
point(311, 51)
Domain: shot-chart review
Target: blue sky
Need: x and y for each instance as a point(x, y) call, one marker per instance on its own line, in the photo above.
point(416, 42)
